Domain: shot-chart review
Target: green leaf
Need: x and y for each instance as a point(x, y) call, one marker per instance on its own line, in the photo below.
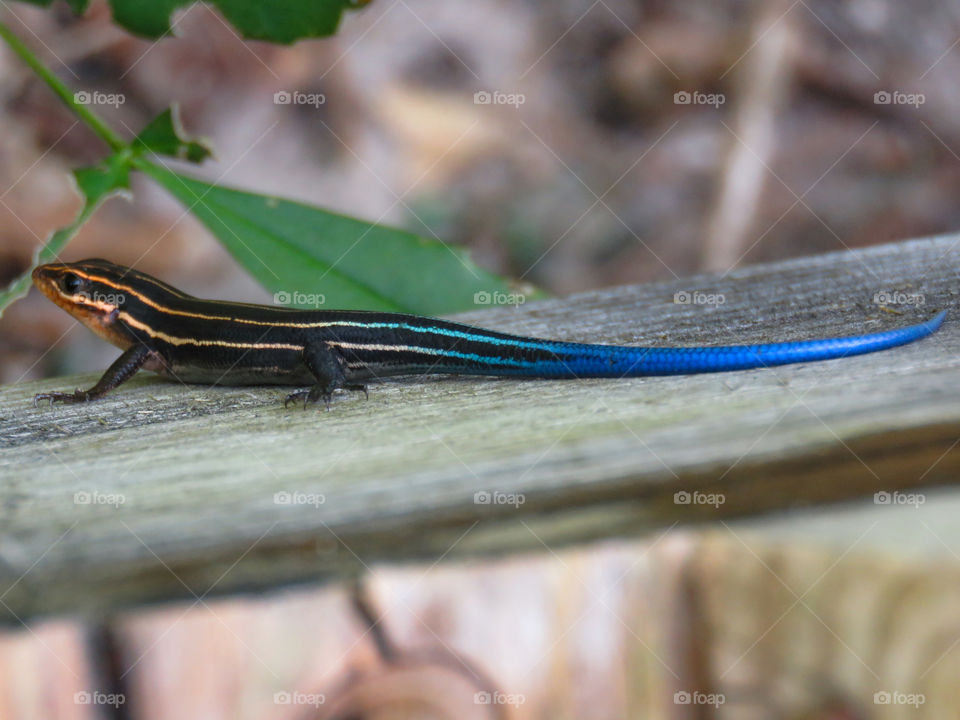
point(278, 21)
point(98, 182)
point(295, 248)
point(164, 136)
point(95, 185)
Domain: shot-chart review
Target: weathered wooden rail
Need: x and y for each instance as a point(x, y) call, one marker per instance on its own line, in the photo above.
point(163, 491)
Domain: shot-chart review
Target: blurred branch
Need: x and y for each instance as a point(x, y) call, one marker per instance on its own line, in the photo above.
point(61, 90)
point(761, 88)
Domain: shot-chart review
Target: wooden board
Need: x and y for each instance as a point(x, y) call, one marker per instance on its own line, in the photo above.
point(164, 491)
point(609, 631)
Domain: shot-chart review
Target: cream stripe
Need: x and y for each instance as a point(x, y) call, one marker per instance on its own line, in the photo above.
point(387, 348)
point(203, 316)
point(173, 340)
point(463, 334)
point(443, 352)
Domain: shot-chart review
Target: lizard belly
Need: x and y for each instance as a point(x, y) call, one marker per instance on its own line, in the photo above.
point(268, 375)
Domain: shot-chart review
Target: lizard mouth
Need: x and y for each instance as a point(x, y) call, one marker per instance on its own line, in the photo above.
point(92, 309)
point(45, 279)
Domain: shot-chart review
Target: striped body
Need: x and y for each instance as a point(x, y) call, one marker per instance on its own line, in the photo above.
point(209, 341)
point(385, 344)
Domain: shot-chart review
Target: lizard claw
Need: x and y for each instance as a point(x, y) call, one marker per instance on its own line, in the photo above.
point(75, 397)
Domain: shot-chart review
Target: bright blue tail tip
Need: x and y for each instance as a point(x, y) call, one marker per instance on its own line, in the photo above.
point(934, 323)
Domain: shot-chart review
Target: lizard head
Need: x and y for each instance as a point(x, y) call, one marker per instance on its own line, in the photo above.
point(93, 291)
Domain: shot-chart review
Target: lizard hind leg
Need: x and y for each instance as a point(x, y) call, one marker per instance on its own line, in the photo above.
point(326, 365)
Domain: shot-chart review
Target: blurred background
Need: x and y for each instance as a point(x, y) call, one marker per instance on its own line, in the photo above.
point(573, 145)
point(620, 142)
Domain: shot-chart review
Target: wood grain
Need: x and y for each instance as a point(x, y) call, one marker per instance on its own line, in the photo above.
point(606, 632)
point(182, 482)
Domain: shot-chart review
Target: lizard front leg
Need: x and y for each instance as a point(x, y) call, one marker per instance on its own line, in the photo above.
point(122, 369)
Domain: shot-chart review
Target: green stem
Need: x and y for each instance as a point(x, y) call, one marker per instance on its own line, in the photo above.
point(62, 91)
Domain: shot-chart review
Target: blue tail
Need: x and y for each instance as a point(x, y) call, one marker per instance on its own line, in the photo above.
point(580, 360)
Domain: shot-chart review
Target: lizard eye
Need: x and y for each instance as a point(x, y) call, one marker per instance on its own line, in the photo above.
point(71, 283)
